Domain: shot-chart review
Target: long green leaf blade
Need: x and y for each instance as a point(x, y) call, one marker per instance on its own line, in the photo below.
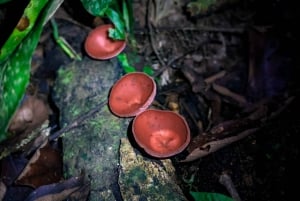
point(22, 29)
point(15, 72)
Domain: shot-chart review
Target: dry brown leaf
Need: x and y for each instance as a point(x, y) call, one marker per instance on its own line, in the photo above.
point(32, 113)
point(44, 167)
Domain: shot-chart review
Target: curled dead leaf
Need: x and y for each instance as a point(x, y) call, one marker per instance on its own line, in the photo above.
point(30, 115)
point(44, 167)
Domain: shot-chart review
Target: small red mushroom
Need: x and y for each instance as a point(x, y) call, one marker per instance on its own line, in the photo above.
point(132, 94)
point(99, 45)
point(161, 133)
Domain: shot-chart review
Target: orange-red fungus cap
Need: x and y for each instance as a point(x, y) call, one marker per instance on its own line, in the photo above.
point(161, 133)
point(99, 45)
point(132, 94)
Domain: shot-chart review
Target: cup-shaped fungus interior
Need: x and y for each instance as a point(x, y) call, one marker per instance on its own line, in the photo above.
point(132, 94)
point(161, 133)
point(99, 45)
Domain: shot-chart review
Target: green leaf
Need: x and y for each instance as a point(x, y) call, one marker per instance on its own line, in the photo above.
point(4, 1)
point(122, 58)
point(22, 29)
point(121, 18)
point(126, 15)
point(129, 69)
point(148, 70)
point(96, 7)
point(119, 32)
point(15, 71)
point(205, 196)
point(52, 7)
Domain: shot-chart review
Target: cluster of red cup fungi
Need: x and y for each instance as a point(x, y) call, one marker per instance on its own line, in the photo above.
point(160, 133)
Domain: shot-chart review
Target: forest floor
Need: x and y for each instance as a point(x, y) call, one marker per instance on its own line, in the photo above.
point(231, 71)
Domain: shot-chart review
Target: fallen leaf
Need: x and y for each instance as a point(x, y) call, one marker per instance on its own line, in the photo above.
point(30, 115)
point(44, 167)
point(61, 191)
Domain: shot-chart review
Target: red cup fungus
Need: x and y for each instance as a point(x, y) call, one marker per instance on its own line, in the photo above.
point(161, 133)
point(132, 94)
point(99, 45)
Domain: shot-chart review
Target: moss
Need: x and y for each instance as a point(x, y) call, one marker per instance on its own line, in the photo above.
point(93, 145)
point(65, 75)
point(74, 111)
point(140, 177)
point(136, 174)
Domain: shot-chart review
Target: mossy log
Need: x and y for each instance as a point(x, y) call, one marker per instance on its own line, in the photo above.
point(93, 146)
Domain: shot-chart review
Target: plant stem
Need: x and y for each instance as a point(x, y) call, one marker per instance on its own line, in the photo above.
point(62, 43)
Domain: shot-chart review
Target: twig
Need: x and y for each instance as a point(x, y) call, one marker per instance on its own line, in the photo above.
point(213, 29)
point(77, 121)
point(214, 146)
point(173, 60)
point(214, 77)
point(287, 102)
point(226, 92)
point(226, 181)
point(149, 25)
point(238, 30)
point(163, 64)
point(189, 113)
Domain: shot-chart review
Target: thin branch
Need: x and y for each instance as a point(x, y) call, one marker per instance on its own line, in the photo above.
point(206, 29)
point(226, 92)
point(237, 30)
point(171, 61)
point(215, 77)
point(214, 146)
point(149, 25)
point(77, 121)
